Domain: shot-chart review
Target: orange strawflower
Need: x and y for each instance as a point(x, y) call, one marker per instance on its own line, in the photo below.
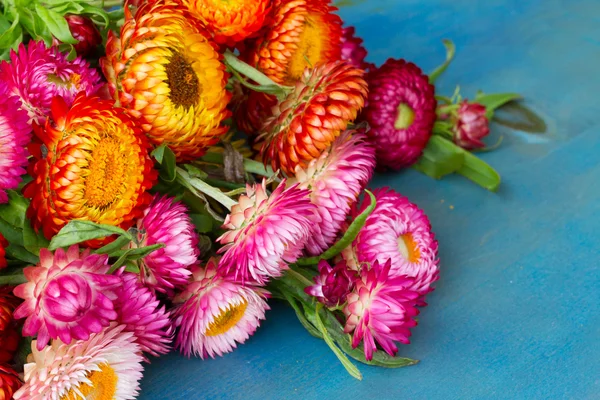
point(304, 33)
point(231, 21)
point(309, 119)
point(168, 75)
point(91, 163)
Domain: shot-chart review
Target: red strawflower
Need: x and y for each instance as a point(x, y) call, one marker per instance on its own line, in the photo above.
point(471, 125)
point(83, 30)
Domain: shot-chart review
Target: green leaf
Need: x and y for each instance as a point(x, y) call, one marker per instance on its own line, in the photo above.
point(138, 252)
point(166, 158)
point(351, 234)
point(450, 51)
point(10, 33)
point(56, 23)
point(80, 231)
point(33, 241)
point(494, 101)
point(20, 253)
point(12, 234)
point(114, 246)
point(351, 368)
point(480, 172)
point(15, 210)
point(202, 222)
point(441, 157)
point(300, 314)
point(195, 172)
point(443, 128)
point(23, 351)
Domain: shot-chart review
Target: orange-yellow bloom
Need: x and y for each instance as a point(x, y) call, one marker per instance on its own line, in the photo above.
point(310, 118)
point(231, 21)
point(90, 163)
point(168, 75)
point(304, 33)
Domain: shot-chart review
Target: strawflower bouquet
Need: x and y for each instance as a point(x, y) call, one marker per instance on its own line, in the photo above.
point(169, 167)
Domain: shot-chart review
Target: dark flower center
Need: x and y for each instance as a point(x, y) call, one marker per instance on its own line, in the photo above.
point(183, 82)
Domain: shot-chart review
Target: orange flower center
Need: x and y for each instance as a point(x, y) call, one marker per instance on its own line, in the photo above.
point(408, 247)
point(405, 116)
point(103, 385)
point(183, 81)
point(227, 319)
point(104, 181)
point(310, 47)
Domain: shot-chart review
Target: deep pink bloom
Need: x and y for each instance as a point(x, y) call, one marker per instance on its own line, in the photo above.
point(214, 313)
point(15, 133)
point(166, 221)
point(332, 284)
point(265, 233)
point(400, 111)
point(399, 231)
point(68, 296)
point(471, 125)
point(37, 74)
point(381, 308)
point(335, 180)
point(353, 50)
point(142, 314)
point(84, 30)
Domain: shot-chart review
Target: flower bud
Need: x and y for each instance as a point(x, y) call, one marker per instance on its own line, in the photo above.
point(332, 285)
point(84, 30)
point(471, 126)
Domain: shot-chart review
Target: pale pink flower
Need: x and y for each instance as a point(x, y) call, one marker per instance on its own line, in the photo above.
point(265, 233)
point(335, 180)
point(380, 309)
point(106, 366)
point(166, 221)
point(214, 313)
point(68, 296)
point(141, 313)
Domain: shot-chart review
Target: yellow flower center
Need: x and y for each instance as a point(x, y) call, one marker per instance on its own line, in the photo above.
point(310, 47)
point(227, 319)
point(103, 385)
point(183, 81)
point(408, 247)
point(104, 182)
point(405, 116)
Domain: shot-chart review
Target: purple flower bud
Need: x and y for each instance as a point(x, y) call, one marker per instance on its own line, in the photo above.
point(471, 125)
point(332, 285)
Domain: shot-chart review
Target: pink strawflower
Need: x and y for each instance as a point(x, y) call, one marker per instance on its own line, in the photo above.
point(335, 180)
point(68, 296)
point(265, 233)
point(399, 231)
point(381, 308)
point(214, 313)
point(141, 313)
point(332, 284)
point(37, 74)
point(106, 366)
point(400, 111)
point(166, 221)
point(471, 125)
point(15, 133)
point(353, 50)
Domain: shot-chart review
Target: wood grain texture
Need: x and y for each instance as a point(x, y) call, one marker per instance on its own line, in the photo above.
point(516, 312)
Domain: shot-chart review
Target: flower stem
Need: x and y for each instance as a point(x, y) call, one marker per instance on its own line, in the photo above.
point(299, 277)
point(251, 166)
point(248, 71)
point(198, 185)
point(12, 280)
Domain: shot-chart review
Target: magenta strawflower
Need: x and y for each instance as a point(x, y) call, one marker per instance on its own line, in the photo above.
point(15, 133)
point(141, 313)
point(400, 111)
point(381, 309)
point(399, 231)
point(471, 125)
point(166, 221)
point(37, 74)
point(353, 50)
point(265, 233)
point(214, 313)
point(335, 180)
point(332, 284)
point(68, 296)
point(85, 32)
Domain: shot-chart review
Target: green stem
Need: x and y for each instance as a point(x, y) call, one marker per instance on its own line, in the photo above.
point(299, 277)
point(236, 64)
point(450, 50)
point(226, 185)
point(251, 166)
point(195, 184)
point(12, 280)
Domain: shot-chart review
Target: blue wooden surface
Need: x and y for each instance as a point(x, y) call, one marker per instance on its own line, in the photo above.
point(516, 312)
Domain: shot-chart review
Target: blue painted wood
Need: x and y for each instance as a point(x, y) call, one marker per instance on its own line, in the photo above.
point(516, 312)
